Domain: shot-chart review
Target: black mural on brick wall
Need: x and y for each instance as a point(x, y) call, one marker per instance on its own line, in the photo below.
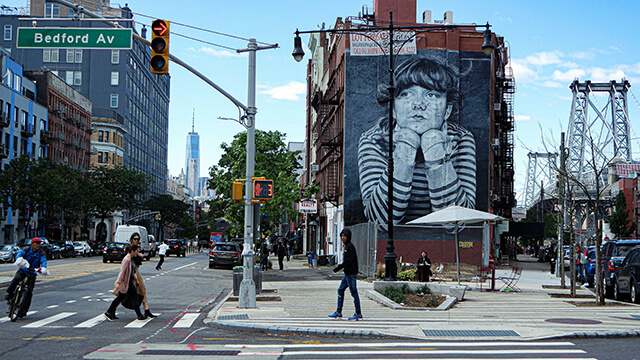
point(441, 107)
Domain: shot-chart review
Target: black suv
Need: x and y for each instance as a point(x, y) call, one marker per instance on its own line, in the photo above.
point(176, 247)
point(66, 248)
point(613, 252)
point(627, 277)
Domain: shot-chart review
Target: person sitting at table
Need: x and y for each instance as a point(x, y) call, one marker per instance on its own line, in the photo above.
point(424, 267)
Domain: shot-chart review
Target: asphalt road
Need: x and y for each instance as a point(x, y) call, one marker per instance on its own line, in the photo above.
point(67, 323)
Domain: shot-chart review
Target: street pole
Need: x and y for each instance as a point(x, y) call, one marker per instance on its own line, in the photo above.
point(561, 200)
point(390, 257)
point(247, 298)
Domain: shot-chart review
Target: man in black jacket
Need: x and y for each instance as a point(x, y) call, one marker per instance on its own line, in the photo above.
point(350, 266)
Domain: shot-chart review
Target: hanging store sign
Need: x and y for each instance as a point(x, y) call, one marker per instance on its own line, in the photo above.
point(308, 206)
point(377, 43)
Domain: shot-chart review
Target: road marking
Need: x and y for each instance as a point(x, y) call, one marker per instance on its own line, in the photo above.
point(56, 338)
point(86, 297)
point(412, 344)
point(71, 301)
point(91, 322)
point(136, 324)
point(52, 306)
point(186, 320)
point(6, 318)
point(49, 320)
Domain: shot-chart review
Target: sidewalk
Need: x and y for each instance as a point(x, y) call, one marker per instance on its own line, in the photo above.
point(537, 312)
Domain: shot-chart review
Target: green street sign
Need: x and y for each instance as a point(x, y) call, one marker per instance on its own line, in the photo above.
point(74, 38)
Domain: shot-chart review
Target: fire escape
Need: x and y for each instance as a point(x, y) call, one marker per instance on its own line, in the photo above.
point(330, 130)
point(504, 198)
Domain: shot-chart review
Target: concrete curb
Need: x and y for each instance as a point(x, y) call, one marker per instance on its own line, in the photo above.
point(376, 296)
point(283, 330)
point(596, 335)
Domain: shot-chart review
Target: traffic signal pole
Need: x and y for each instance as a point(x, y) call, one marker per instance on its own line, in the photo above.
point(247, 298)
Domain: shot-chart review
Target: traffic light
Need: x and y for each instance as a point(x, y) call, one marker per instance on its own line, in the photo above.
point(158, 217)
point(263, 189)
point(236, 191)
point(160, 47)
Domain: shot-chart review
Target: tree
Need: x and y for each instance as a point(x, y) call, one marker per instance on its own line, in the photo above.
point(621, 224)
point(118, 188)
point(172, 211)
point(273, 161)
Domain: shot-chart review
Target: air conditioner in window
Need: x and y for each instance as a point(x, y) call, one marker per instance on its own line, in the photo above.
point(495, 142)
point(315, 167)
point(315, 136)
point(497, 106)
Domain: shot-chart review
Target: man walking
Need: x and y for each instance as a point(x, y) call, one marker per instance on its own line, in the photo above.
point(350, 266)
point(162, 251)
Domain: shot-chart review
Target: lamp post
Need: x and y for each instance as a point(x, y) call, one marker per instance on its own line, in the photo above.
point(298, 55)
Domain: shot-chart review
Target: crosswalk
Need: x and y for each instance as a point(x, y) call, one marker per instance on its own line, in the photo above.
point(73, 320)
point(504, 350)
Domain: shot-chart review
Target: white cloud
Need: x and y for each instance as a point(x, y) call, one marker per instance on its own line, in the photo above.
point(583, 55)
point(606, 75)
point(544, 58)
point(568, 75)
point(522, 72)
point(217, 53)
point(522, 118)
point(291, 91)
point(551, 84)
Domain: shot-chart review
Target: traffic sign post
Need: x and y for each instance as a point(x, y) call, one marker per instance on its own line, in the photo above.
point(74, 38)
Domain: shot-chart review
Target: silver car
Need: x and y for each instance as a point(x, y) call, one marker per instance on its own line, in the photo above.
point(8, 252)
point(82, 248)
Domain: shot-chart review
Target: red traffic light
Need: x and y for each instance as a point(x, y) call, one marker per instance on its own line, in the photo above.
point(263, 189)
point(159, 27)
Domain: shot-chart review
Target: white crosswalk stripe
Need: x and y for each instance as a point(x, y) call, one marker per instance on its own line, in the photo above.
point(49, 320)
point(186, 320)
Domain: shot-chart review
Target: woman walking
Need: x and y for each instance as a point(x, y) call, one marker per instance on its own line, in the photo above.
point(126, 286)
point(142, 289)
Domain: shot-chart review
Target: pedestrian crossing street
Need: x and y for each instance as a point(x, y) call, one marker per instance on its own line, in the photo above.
point(73, 320)
point(443, 350)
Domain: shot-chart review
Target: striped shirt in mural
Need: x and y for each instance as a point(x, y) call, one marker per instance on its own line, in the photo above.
point(452, 182)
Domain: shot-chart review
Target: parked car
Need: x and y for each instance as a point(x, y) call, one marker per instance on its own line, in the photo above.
point(82, 248)
point(627, 277)
point(8, 252)
point(567, 258)
point(66, 248)
point(56, 252)
point(45, 246)
point(113, 252)
point(613, 252)
point(176, 247)
point(225, 254)
point(590, 271)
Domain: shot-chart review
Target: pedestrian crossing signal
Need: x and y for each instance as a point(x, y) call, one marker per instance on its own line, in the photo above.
point(263, 189)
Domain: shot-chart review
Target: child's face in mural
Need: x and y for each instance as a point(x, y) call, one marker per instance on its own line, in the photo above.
point(421, 109)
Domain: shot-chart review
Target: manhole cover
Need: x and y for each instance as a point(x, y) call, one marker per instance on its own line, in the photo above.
point(574, 321)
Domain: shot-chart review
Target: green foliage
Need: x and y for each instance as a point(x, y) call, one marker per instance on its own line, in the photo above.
point(394, 293)
point(407, 275)
point(274, 162)
point(432, 303)
point(621, 224)
point(424, 289)
point(311, 190)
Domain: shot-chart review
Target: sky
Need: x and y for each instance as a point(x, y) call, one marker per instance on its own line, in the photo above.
point(550, 42)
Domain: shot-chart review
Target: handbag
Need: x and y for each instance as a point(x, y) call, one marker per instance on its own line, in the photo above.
point(132, 299)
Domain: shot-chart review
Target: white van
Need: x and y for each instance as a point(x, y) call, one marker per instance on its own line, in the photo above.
point(124, 232)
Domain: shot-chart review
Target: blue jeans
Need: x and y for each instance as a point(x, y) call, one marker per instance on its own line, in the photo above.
point(350, 282)
point(580, 271)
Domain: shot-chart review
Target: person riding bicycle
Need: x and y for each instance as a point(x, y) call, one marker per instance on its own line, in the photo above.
point(36, 261)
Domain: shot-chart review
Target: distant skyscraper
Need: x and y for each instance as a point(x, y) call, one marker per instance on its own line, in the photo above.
point(192, 160)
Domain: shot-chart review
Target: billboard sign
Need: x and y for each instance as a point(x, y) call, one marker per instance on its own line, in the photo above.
point(308, 206)
point(377, 43)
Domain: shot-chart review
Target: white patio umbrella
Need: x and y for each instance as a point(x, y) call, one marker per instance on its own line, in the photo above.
point(455, 215)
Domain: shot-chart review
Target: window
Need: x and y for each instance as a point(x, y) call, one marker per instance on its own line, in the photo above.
point(78, 56)
point(52, 10)
point(114, 100)
point(46, 55)
point(74, 55)
point(17, 83)
point(101, 136)
point(115, 56)
point(106, 136)
point(69, 77)
point(77, 78)
point(115, 78)
point(70, 55)
point(8, 78)
point(7, 32)
point(55, 55)
point(100, 157)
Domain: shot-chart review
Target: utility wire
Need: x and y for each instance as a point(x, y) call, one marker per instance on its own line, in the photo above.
point(188, 26)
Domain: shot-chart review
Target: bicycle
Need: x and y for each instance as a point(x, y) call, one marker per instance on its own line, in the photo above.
point(18, 295)
point(16, 299)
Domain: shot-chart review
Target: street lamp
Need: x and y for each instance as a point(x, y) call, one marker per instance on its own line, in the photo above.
point(298, 55)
